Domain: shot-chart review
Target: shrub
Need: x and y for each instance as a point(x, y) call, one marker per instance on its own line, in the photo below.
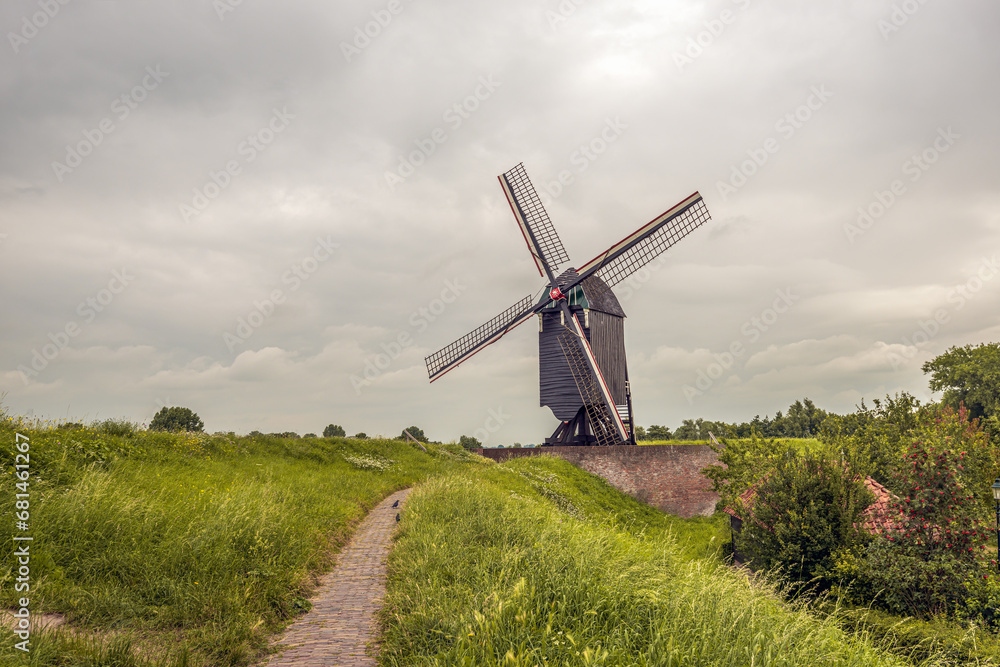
point(417, 433)
point(468, 442)
point(120, 427)
point(334, 431)
point(743, 462)
point(806, 513)
point(176, 419)
point(932, 546)
point(360, 436)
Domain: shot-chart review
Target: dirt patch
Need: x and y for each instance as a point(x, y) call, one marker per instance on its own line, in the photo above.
point(38, 621)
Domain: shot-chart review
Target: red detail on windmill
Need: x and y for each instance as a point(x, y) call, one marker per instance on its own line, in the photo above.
point(555, 294)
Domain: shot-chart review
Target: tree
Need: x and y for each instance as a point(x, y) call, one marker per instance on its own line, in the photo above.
point(655, 432)
point(688, 430)
point(806, 513)
point(360, 436)
point(933, 539)
point(417, 433)
point(876, 437)
point(969, 376)
point(468, 442)
point(309, 435)
point(742, 463)
point(334, 431)
point(640, 433)
point(176, 419)
point(803, 419)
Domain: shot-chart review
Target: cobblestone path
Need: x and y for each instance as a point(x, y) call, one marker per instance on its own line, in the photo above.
point(341, 623)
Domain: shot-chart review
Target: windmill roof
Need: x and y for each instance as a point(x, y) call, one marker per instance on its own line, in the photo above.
point(596, 294)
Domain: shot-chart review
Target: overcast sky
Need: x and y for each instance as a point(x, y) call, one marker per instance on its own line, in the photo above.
point(237, 207)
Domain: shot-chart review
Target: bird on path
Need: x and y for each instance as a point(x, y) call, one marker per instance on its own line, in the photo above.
point(396, 504)
point(397, 517)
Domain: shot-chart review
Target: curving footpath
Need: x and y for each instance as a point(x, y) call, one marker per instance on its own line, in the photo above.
point(341, 623)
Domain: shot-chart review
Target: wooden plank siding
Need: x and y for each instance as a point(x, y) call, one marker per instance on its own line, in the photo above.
point(557, 388)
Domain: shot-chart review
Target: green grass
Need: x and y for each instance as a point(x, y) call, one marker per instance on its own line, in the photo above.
point(534, 562)
point(187, 548)
point(801, 444)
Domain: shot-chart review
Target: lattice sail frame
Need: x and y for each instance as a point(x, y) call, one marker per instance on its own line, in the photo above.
point(590, 392)
point(534, 220)
point(445, 358)
point(648, 242)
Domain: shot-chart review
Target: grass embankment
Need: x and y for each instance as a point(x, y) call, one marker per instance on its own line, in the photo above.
point(801, 444)
point(186, 548)
point(535, 562)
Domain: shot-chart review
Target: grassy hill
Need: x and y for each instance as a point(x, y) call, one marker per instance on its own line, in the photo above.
point(535, 562)
point(186, 548)
point(195, 549)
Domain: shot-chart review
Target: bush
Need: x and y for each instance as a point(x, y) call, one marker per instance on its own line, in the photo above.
point(743, 462)
point(176, 419)
point(806, 513)
point(931, 547)
point(468, 442)
point(360, 436)
point(877, 437)
point(334, 431)
point(120, 427)
point(417, 433)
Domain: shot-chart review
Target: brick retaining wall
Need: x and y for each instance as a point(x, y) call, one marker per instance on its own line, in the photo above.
point(668, 477)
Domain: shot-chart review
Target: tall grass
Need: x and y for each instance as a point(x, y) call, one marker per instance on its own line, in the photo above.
point(191, 548)
point(490, 569)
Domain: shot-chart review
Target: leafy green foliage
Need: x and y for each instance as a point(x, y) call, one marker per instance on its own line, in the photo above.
point(742, 462)
point(654, 432)
point(803, 420)
point(119, 427)
point(697, 429)
point(969, 376)
point(469, 442)
point(417, 433)
point(932, 543)
point(805, 513)
point(176, 419)
point(334, 431)
point(360, 436)
point(876, 437)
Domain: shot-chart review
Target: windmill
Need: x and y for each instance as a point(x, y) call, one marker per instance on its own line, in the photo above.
point(583, 377)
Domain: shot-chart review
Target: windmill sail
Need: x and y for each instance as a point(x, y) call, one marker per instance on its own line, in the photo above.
point(450, 356)
point(649, 241)
point(601, 421)
point(544, 243)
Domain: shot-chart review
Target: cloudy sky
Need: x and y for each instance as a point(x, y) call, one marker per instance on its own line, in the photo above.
point(272, 212)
